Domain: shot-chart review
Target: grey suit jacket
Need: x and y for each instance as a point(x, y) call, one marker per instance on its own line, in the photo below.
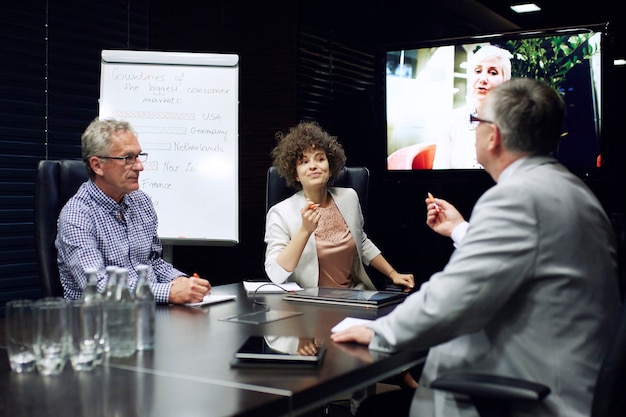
point(283, 220)
point(531, 292)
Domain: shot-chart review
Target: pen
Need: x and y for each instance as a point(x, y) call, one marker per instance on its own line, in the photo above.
point(432, 200)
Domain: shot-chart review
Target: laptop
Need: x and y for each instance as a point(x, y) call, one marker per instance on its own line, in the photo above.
point(347, 297)
point(279, 351)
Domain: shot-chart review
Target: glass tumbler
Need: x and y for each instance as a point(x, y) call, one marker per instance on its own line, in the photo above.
point(20, 335)
point(52, 336)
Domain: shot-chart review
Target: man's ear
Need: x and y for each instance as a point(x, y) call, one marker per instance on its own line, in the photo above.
point(495, 138)
point(96, 165)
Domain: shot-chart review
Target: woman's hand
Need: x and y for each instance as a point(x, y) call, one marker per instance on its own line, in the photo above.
point(310, 216)
point(405, 280)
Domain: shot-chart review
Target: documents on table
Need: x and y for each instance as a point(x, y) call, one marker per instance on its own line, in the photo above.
point(270, 287)
point(212, 299)
point(348, 322)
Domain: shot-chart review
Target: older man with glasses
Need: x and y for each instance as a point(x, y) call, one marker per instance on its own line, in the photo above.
point(111, 222)
point(531, 290)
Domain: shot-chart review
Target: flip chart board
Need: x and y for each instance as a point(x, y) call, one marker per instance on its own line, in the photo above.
point(184, 109)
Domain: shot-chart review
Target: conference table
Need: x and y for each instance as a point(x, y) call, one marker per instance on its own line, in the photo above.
point(189, 372)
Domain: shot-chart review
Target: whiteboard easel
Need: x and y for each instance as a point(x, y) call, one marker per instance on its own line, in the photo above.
point(184, 109)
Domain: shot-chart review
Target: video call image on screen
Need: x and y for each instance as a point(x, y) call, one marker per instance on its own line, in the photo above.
point(430, 94)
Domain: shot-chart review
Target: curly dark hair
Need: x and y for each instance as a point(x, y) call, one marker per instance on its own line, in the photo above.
point(305, 136)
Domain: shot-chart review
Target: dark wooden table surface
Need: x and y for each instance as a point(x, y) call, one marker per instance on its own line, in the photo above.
point(189, 372)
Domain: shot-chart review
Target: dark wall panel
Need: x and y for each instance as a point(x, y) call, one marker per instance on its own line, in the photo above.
point(310, 59)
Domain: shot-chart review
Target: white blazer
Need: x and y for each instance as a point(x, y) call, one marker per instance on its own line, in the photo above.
point(283, 220)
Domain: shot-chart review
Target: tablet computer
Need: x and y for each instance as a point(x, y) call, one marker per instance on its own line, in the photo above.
point(277, 350)
point(347, 297)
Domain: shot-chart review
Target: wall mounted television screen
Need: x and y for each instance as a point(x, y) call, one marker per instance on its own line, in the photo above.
point(431, 88)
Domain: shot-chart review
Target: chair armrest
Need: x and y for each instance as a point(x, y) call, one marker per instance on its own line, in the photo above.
point(491, 386)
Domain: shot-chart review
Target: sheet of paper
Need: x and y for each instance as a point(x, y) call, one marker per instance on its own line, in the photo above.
point(348, 322)
point(212, 299)
point(268, 286)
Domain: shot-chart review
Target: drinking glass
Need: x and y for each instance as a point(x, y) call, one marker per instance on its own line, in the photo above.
point(85, 330)
point(20, 335)
point(52, 336)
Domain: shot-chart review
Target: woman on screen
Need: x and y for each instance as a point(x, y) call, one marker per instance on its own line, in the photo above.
point(316, 236)
point(487, 68)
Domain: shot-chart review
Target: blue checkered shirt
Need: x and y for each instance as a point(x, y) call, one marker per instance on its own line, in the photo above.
point(93, 234)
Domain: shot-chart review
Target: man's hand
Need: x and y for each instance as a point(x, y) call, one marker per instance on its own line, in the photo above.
point(188, 290)
point(442, 216)
point(359, 334)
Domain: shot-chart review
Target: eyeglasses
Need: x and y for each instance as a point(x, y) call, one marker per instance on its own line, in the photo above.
point(475, 121)
point(128, 159)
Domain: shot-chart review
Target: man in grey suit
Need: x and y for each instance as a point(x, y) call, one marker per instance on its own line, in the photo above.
point(531, 290)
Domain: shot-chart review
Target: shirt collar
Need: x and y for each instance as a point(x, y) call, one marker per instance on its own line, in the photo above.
point(104, 200)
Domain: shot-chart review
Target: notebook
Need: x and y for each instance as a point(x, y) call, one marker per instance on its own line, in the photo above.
point(212, 299)
point(281, 351)
point(347, 297)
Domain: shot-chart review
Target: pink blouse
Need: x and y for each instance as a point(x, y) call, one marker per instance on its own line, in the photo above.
point(336, 249)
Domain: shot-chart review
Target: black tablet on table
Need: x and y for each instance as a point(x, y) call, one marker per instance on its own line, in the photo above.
point(347, 297)
point(279, 351)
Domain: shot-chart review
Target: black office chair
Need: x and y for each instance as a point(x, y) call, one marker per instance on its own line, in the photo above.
point(358, 178)
point(56, 182)
point(493, 396)
point(276, 190)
